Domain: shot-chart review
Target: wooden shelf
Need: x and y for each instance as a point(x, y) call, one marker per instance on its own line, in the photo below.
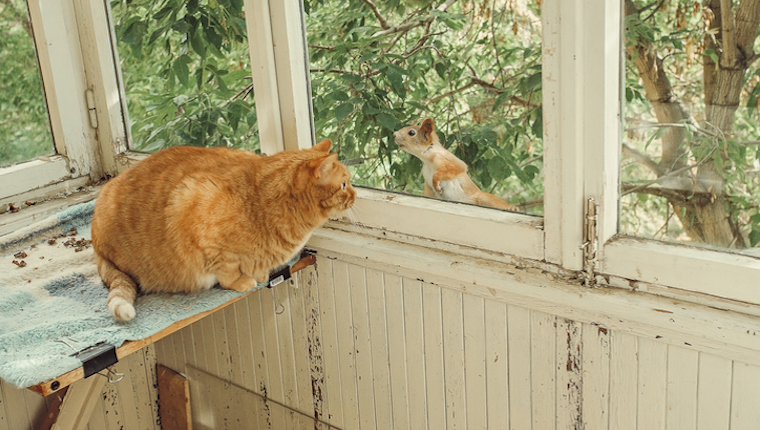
point(51, 386)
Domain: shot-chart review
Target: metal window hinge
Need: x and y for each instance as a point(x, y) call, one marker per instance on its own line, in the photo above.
point(91, 109)
point(590, 243)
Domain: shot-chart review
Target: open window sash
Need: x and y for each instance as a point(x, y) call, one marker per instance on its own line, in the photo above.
point(76, 58)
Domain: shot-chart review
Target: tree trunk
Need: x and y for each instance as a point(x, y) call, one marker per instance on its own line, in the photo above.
point(703, 210)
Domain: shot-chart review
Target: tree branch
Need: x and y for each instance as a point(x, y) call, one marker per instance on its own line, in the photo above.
point(413, 24)
point(640, 158)
point(383, 22)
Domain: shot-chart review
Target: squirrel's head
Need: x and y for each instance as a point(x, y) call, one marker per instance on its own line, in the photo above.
point(415, 138)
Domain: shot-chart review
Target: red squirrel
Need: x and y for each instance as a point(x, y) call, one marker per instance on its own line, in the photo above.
point(445, 174)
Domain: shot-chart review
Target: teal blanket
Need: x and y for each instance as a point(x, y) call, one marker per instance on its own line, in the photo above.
point(50, 292)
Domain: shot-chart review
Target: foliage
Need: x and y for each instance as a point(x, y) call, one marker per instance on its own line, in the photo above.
point(186, 73)
point(24, 124)
point(664, 199)
point(475, 67)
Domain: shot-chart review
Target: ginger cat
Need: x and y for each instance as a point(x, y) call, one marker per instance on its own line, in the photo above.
point(186, 218)
point(445, 174)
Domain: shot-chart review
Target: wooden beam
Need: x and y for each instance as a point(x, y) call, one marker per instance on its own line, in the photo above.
point(173, 399)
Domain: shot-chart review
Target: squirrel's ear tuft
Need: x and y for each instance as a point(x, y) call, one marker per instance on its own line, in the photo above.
point(427, 126)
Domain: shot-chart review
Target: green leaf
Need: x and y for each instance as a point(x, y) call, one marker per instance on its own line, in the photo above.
point(181, 70)
point(343, 111)
point(754, 237)
point(134, 33)
point(387, 121)
point(197, 42)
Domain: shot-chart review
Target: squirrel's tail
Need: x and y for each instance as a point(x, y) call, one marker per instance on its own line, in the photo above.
point(123, 289)
point(487, 199)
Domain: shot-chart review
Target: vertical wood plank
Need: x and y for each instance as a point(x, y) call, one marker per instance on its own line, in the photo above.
point(209, 344)
point(15, 407)
point(189, 344)
point(221, 346)
point(127, 390)
point(379, 344)
point(346, 347)
point(497, 365)
point(97, 417)
point(302, 355)
point(141, 396)
point(4, 424)
point(596, 377)
point(453, 362)
point(330, 355)
point(432, 319)
point(112, 405)
point(234, 344)
point(198, 345)
point(745, 392)
point(518, 340)
point(473, 311)
point(683, 369)
point(394, 306)
point(245, 344)
point(569, 374)
point(714, 392)
point(652, 385)
point(261, 362)
point(149, 355)
point(415, 359)
point(285, 344)
point(623, 381)
point(362, 347)
point(543, 356)
point(308, 291)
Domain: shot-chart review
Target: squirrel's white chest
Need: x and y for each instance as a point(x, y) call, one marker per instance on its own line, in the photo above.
point(451, 189)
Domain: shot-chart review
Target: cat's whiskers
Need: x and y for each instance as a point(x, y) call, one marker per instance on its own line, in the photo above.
point(355, 219)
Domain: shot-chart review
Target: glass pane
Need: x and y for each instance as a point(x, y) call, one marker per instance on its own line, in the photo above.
point(473, 67)
point(691, 153)
point(186, 72)
point(24, 122)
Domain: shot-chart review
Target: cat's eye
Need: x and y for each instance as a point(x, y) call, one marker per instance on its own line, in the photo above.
point(343, 186)
point(412, 133)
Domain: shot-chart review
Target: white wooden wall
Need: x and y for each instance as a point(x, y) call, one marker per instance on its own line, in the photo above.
point(365, 349)
point(131, 404)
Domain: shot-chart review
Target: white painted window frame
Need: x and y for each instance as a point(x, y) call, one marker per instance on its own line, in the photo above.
point(582, 92)
point(76, 54)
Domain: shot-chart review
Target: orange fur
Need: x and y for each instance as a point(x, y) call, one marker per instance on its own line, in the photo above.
point(445, 175)
point(185, 218)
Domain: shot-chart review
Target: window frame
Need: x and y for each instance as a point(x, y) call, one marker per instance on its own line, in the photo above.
point(76, 56)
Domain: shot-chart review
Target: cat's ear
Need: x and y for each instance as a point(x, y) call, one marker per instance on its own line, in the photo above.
point(323, 167)
point(323, 146)
point(427, 126)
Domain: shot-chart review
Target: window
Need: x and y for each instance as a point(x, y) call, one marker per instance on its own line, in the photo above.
point(85, 118)
point(473, 67)
point(25, 125)
point(187, 74)
point(691, 154)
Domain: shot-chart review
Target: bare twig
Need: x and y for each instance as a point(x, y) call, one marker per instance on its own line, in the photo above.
point(406, 26)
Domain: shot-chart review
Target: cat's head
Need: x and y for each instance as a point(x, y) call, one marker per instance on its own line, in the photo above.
point(331, 180)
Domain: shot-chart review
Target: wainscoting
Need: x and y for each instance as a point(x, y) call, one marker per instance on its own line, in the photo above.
point(358, 347)
point(129, 404)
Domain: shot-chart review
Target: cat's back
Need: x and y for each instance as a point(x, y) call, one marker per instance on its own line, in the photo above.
point(137, 215)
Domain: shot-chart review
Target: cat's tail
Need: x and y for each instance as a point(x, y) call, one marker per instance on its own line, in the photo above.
point(487, 199)
point(122, 290)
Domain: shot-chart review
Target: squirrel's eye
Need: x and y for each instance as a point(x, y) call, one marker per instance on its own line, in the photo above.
point(412, 133)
